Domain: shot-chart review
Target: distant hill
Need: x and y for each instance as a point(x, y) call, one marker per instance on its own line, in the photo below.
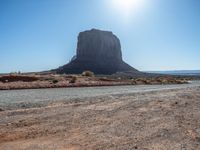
point(179, 72)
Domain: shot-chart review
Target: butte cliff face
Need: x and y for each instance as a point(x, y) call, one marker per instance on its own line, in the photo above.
point(97, 51)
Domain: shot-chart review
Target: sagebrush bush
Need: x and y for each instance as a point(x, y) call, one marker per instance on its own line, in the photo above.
point(74, 79)
point(88, 74)
point(55, 81)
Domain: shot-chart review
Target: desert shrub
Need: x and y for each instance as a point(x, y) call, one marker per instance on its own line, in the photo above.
point(158, 80)
point(146, 81)
point(15, 78)
point(181, 82)
point(73, 80)
point(140, 79)
point(164, 81)
point(13, 73)
point(55, 81)
point(133, 82)
point(106, 79)
point(88, 74)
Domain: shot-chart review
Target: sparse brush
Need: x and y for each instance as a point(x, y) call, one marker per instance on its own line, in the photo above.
point(73, 80)
point(55, 81)
point(15, 78)
point(138, 79)
point(146, 81)
point(88, 74)
point(164, 81)
point(133, 82)
point(181, 81)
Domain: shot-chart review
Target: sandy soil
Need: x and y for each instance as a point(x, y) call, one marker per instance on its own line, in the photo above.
point(167, 120)
point(34, 81)
point(58, 81)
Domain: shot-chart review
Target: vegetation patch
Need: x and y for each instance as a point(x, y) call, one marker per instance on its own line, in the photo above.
point(55, 81)
point(15, 78)
point(73, 80)
point(88, 74)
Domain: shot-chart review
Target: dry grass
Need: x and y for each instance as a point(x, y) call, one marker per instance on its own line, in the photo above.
point(16, 78)
point(88, 74)
point(86, 79)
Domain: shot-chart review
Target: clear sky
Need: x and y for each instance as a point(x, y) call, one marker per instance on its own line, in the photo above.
point(38, 35)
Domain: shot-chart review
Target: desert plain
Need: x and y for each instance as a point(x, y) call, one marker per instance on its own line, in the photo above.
point(166, 119)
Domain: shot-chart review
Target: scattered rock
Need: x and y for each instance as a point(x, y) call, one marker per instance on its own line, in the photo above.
point(135, 147)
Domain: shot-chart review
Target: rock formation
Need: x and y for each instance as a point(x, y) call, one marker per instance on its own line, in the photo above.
point(97, 51)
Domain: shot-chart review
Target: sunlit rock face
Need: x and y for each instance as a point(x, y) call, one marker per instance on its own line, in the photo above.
point(97, 51)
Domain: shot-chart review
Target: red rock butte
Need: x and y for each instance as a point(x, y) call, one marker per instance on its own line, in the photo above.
point(97, 51)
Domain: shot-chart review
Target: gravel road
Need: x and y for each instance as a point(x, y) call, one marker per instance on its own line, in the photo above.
point(158, 120)
point(19, 98)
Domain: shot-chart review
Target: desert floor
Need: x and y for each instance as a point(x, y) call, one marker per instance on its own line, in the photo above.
point(154, 120)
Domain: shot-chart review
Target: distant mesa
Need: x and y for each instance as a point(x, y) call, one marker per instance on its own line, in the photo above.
point(97, 51)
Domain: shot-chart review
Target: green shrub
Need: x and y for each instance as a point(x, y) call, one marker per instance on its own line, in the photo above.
point(88, 74)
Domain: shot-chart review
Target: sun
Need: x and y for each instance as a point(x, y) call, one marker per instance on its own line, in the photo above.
point(127, 7)
point(124, 4)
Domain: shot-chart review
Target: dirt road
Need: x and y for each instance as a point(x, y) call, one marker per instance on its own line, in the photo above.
point(153, 120)
point(15, 99)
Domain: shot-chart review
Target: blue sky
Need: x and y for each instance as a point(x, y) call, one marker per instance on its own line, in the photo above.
point(38, 35)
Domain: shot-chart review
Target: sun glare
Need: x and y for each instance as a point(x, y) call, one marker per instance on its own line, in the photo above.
point(127, 7)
